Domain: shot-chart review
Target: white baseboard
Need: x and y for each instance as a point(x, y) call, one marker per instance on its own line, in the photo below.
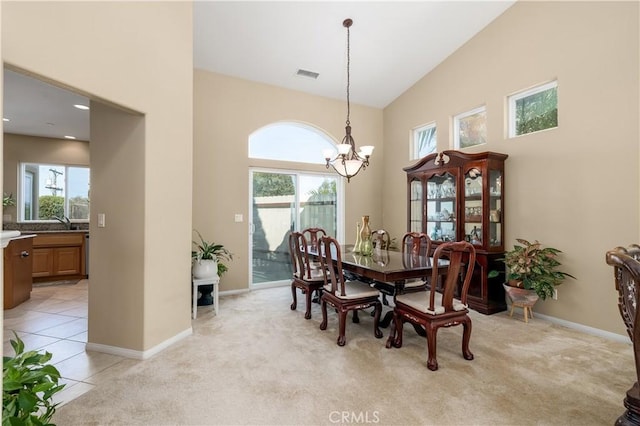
point(232, 292)
point(140, 355)
point(585, 328)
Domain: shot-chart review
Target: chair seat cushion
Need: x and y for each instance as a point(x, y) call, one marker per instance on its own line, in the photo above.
point(316, 275)
point(414, 283)
point(420, 301)
point(355, 290)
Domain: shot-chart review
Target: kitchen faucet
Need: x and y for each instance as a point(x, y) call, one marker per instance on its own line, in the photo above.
point(64, 220)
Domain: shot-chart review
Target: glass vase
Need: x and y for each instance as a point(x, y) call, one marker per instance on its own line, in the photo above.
point(357, 246)
point(366, 247)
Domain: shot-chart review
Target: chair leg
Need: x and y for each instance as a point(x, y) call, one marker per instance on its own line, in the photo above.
point(466, 337)
point(524, 312)
point(307, 313)
point(356, 318)
point(511, 312)
point(392, 334)
point(432, 362)
point(398, 323)
point(323, 306)
point(376, 320)
point(295, 297)
point(342, 318)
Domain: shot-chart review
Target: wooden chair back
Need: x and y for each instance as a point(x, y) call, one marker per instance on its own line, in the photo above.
point(462, 260)
point(380, 239)
point(331, 262)
point(299, 256)
point(416, 244)
point(626, 264)
point(313, 236)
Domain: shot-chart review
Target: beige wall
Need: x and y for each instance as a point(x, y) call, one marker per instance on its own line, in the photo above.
point(20, 149)
point(138, 55)
point(226, 111)
point(575, 187)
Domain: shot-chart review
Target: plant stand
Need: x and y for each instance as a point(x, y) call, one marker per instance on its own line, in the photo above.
point(201, 284)
point(521, 298)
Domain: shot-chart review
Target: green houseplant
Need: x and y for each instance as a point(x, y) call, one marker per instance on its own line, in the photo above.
point(534, 267)
point(28, 384)
point(207, 253)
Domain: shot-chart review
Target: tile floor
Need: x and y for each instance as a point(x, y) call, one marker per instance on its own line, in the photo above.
point(55, 320)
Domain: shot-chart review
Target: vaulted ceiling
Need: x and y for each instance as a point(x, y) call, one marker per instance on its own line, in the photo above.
point(392, 45)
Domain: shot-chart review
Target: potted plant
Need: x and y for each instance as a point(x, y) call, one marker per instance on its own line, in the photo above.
point(533, 267)
point(28, 385)
point(207, 258)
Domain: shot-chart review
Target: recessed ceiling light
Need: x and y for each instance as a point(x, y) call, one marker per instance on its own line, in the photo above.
point(5, 119)
point(69, 137)
point(82, 107)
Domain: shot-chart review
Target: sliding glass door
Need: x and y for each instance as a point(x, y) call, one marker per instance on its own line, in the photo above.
point(283, 201)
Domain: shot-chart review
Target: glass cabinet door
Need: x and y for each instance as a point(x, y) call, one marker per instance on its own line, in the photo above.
point(473, 206)
point(415, 206)
point(495, 208)
point(441, 207)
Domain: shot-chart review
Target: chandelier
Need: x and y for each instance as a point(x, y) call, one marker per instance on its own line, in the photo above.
point(348, 162)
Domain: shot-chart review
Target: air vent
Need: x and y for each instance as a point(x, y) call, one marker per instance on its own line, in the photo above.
point(305, 73)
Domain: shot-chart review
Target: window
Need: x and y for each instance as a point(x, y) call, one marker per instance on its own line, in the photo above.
point(533, 110)
point(52, 190)
point(424, 141)
point(290, 142)
point(470, 128)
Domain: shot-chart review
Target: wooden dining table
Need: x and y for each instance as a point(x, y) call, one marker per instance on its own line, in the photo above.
point(388, 270)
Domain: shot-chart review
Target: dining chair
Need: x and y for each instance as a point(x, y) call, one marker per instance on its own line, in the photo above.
point(380, 239)
point(415, 245)
point(626, 272)
point(344, 295)
point(431, 309)
point(306, 275)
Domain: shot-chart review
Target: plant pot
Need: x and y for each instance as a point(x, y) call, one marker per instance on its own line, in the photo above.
point(205, 268)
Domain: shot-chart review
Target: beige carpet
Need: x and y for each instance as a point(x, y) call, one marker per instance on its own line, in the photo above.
point(259, 363)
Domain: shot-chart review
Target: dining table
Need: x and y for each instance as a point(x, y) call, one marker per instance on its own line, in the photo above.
point(387, 270)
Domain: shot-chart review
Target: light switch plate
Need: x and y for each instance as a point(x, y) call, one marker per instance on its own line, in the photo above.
point(239, 217)
point(101, 220)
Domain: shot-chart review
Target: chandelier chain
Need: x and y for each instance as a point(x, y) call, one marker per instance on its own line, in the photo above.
point(348, 75)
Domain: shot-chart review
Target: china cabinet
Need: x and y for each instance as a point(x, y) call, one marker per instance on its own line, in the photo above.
point(455, 196)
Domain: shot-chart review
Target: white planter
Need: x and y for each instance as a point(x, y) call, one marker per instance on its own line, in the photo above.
point(205, 268)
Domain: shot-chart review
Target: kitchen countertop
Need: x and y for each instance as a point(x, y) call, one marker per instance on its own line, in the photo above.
point(59, 231)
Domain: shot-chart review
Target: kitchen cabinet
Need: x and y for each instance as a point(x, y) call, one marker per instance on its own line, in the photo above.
point(17, 271)
point(455, 196)
point(59, 256)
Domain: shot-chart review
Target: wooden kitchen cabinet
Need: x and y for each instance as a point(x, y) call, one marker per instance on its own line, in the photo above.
point(17, 271)
point(59, 256)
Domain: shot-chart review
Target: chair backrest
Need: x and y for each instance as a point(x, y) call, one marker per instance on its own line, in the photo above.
point(626, 264)
point(313, 236)
point(331, 261)
point(416, 244)
point(299, 256)
point(462, 259)
point(380, 239)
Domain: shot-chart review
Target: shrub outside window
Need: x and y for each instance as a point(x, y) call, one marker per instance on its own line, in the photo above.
point(533, 110)
point(424, 141)
point(52, 190)
point(470, 128)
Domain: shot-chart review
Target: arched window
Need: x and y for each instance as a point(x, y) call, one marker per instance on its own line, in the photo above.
point(289, 141)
